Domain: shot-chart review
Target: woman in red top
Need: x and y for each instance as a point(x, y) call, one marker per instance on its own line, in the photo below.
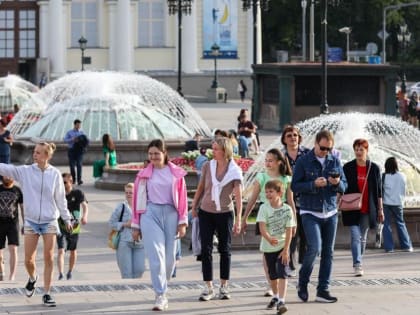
point(357, 172)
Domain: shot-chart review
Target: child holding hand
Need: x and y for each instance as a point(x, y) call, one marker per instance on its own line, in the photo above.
point(276, 221)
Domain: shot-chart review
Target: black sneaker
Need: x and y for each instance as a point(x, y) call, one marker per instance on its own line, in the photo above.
point(60, 276)
point(302, 293)
point(48, 300)
point(30, 287)
point(69, 275)
point(325, 297)
point(281, 308)
point(273, 303)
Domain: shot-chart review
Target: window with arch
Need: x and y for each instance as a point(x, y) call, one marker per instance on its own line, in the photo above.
point(84, 16)
point(151, 27)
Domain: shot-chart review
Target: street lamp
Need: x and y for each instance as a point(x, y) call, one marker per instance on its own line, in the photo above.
point(304, 4)
point(324, 23)
point(247, 5)
point(404, 37)
point(346, 30)
point(179, 7)
point(215, 49)
point(82, 44)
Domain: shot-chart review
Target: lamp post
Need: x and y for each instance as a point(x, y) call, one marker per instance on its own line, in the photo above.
point(215, 49)
point(82, 44)
point(404, 37)
point(179, 7)
point(304, 4)
point(324, 24)
point(346, 30)
point(247, 5)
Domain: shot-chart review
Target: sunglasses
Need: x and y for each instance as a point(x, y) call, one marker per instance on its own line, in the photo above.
point(322, 148)
point(67, 183)
point(290, 135)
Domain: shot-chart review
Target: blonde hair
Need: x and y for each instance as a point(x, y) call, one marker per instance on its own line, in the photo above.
point(129, 185)
point(226, 145)
point(49, 148)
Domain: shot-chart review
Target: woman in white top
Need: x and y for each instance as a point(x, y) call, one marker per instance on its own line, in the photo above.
point(394, 183)
point(44, 198)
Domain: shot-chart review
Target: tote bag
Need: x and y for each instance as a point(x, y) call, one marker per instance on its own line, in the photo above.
point(114, 235)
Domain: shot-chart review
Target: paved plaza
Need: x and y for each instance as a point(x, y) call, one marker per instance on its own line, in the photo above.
point(391, 284)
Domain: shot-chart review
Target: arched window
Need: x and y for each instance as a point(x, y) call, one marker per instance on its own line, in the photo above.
point(151, 32)
point(84, 16)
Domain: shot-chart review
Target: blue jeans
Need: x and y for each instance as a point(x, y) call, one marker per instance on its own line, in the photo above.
point(75, 164)
point(159, 226)
point(395, 212)
point(130, 259)
point(320, 238)
point(244, 143)
point(358, 239)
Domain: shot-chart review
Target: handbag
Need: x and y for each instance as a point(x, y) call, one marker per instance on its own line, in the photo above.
point(114, 235)
point(353, 201)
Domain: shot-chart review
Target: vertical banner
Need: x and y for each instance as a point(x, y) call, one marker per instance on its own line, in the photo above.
point(220, 26)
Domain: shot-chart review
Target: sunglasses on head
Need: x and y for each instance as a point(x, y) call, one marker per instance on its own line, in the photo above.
point(322, 148)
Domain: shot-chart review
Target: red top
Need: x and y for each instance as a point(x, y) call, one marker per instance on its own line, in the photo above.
point(361, 178)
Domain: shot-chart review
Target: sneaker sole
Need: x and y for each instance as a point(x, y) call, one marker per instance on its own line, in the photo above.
point(322, 300)
point(156, 308)
point(50, 305)
point(205, 299)
point(224, 297)
point(282, 310)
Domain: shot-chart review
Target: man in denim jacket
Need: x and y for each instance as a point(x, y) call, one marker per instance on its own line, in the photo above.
point(318, 176)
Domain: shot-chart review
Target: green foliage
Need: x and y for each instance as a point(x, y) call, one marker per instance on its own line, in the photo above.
point(282, 25)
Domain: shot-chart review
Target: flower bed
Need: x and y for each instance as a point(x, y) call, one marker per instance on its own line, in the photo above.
point(187, 162)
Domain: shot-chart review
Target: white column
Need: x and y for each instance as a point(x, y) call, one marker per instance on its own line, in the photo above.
point(56, 49)
point(124, 53)
point(259, 35)
point(189, 41)
point(250, 41)
point(112, 39)
point(99, 22)
point(43, 29)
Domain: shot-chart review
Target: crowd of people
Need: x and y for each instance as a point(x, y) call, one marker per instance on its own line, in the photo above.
point(297, 197)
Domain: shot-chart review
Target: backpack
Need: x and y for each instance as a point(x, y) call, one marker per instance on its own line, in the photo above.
point(81, 144)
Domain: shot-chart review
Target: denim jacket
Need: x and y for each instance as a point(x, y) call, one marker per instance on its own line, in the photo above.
point(306, 170)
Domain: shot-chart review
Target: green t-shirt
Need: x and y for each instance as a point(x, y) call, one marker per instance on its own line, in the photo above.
point(276, 220)
point(112, 156)
point(263, 178)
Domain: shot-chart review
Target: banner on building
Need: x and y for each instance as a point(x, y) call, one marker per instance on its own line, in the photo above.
point(220, 26)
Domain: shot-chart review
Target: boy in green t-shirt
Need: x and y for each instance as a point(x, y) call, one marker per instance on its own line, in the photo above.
point(276, 221)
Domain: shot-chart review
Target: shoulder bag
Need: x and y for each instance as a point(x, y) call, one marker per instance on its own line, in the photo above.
point(114, 235)
point(353, 201)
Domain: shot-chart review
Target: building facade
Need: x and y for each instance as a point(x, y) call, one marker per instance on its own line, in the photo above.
point(41, 38)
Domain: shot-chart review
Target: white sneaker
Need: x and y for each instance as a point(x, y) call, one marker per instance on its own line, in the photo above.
point(289, 272)
point(268, 292)
point(161, 303)
point(358, 271)
point(224, 292)
point(207, 294)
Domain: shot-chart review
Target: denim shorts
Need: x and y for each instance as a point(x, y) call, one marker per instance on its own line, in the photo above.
point(41, 228)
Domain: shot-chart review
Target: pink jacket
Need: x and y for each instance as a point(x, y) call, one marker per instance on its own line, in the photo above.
point(179, 194)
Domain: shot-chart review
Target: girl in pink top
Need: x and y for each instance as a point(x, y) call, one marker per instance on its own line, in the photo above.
point(160, 216)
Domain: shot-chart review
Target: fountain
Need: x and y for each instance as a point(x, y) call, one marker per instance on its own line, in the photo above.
point(387, 136)
point(15, 90)
point(133, 108)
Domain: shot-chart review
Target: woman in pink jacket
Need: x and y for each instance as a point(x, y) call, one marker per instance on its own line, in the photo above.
point(160, 210)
